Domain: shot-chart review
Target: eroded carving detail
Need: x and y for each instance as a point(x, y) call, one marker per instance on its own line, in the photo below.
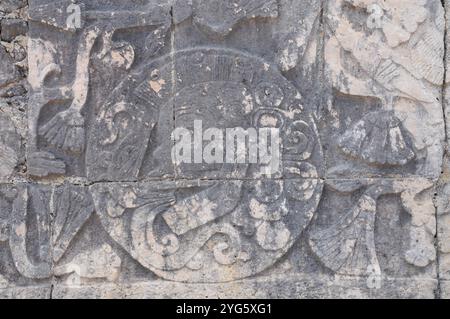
point(200, 231)
point(30, 213)
point(199, 223)
point(100, 263)
point(348, 246)
point(9, 147)
point(393, 52)
point(218, 18)
point(378, 138)
point(73, 207)
point(66, 131)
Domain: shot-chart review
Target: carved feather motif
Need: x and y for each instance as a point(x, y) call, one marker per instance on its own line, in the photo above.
point(379, 138)
point(73, 207)
point(348, 247)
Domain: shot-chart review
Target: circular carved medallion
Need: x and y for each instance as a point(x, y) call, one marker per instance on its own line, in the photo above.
point(204, 222)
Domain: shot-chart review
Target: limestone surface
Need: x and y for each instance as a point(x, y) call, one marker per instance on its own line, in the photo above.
point(96, 201)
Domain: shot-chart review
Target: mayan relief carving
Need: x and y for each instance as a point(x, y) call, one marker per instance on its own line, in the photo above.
point(392, 52)
point(218, 18)
point(25, 212)
point(65, 132)
point(369, 58)
point(9, 147)
point(348, 245)
point(256, 146)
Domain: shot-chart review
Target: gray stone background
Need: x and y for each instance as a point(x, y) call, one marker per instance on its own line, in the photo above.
point(91, 206)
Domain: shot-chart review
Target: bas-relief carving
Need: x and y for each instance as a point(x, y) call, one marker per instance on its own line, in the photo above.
point(393, 53)
point(169, 232)
point(218, 18)
point(25, 211)
point(3, 282)
point(60, 140)
point(347, 245)
point(242, 87)
point(66, 131)
point(384, 61)
point(250, 230)
point(100, 263)
point(210, 231)
point(38, 224)
point(300, 38)
point(222, 229)
point(9, 147)
point(195, 238)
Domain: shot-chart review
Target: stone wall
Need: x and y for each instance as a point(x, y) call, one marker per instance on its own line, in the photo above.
point(92, 205)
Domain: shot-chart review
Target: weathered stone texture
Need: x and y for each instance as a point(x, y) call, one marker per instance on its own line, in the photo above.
point(93, 206)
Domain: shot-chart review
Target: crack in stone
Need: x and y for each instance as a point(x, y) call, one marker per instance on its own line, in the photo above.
point(442, 178)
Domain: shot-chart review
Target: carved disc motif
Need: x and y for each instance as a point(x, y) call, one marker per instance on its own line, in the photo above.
point(214, 224)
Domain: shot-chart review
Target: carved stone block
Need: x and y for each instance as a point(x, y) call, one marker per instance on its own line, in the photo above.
point(385, 61)
point(107, 205)
point(25, 235)
point(9, 148)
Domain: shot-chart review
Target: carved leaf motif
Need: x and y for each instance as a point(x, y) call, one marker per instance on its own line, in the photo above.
point(73, 207)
